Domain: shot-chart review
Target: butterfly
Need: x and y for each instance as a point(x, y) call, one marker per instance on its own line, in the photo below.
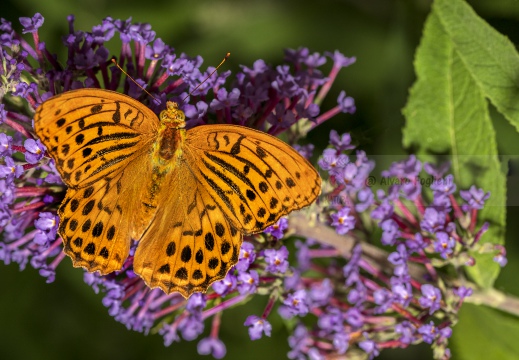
point(186, 196)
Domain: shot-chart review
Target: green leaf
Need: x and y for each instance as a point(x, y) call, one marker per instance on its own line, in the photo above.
point(488, 56)
point(484, 333)
point(447, 111)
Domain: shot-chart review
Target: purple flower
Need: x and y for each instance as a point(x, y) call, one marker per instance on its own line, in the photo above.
point(331, 321)
point(384, 299)
point(399, 257)
point(194, 113)
point(428, 332)
point(277, 260)
point(31, 24)
point(297, 56)
point(278, 228)
point(475, 197)
point(224, 99)
point(407, 331)
point(445, 185)
point(346, 175)
point(343, 221)
point(35, 151)
point(23, 89)
point(191, 326)
point(213, 346)
point(293, 281)
point(341, 342)
point(281, 117)
point(383, 211)
point(369, 347)
point(170, 334)
point(406, 169)
point(10, 170)
point(342, 142)
point(299, 342)
point(358, 294)
point(225, 286)
point(104, 32)
point(431, 298)
point(330, 161)
point(254, 97)
point(500, 259)
point(47, 225)
point(462, 292)
point(390, 231)
point(5, 144)
point(257, 327)
point(294, 304)
point(433, 220)
point(196, 303)
point(351, 269)
point(247, 256)
point(320, 293)
point(248, 282)
point(3, 117)
point(303, 255)
point(402, 293)
point(285, 84)
point(444, 244)
point(354, 317)
point(315, 60)
point(346, 103)
point(339, 59)
point(314, 354)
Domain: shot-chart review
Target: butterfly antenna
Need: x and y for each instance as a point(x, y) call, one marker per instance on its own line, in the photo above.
point(208, 76)
point(132, 79)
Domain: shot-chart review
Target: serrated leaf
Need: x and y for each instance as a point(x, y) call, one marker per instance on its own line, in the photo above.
point(488, 56)
point(447, 113)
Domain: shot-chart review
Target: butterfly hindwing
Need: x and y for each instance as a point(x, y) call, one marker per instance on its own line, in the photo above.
point(254, 178)
point(98, 221)
point(190, 242)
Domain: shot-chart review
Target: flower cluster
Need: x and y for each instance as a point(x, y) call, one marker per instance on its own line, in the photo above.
point(359, 304)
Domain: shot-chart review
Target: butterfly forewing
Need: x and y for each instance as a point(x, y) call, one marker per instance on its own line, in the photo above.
point(92, 134)
point(254, 178)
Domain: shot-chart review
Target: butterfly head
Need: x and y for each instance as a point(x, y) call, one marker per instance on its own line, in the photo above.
point(173, 116)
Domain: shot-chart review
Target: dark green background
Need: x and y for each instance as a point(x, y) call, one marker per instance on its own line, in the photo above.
point(66, 319)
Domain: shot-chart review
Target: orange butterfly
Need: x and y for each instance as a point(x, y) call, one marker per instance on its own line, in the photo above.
point(187, 196)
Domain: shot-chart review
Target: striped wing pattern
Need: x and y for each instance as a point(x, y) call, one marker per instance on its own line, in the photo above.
point(188, 216)
point(100, 142)
point(255, 178)
point(231, 181)
point(93, 134)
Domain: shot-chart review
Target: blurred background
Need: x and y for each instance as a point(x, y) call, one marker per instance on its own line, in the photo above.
point(66, 319)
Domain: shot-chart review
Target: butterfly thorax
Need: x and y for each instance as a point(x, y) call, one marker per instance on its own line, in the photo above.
point(171, 136)
point(166, 154)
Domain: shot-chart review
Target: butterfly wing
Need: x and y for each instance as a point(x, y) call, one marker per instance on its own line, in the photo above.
point(230, 180)
point(98, 221)
point(190, 242)
point(253, 177)
point(100, 141)
point(93, 133)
